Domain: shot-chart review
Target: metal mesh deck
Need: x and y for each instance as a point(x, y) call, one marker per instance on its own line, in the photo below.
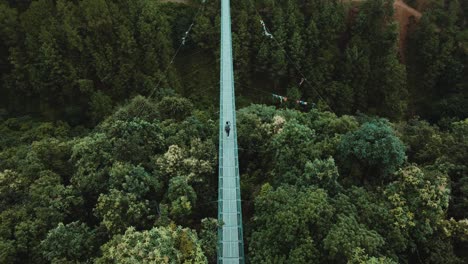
point(230, 234)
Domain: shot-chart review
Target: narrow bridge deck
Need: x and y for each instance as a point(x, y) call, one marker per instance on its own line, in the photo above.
point(230, 237)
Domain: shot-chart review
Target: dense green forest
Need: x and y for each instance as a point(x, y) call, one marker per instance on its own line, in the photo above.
point(108, 142)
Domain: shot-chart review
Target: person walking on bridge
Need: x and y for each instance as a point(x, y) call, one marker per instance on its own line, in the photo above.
point(227, 127)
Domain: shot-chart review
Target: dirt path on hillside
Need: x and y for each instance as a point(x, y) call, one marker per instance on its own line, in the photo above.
point(405, 15)
point(398, 5)
point(401, 6)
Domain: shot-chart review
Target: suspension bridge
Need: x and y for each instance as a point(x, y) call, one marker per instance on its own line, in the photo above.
point(230, 245)
point(230, 232)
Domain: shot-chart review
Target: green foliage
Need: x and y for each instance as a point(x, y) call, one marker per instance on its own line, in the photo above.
point(440, 250)
point(91, 156)
point(83, 57)
point(347, 235)
point(7, 30)
point(191, 163)
point(360, 257)
point(12, 188)
point(294, 145)
point(7, 251)
point(192, 128)
point(87, 57)
point(288, 225)
point(130, 201)
point(322, 173)
point(371, 66)
point(133, 140)
point(183, 197)
point(456, 154)
point(50, 199)
point(110, 180)
point(329, 130)
point(374, 146)
point(139, 106)
point(425, 143)
point(119, 210)
point(418, 200)
point(437, 62)
point(190, 177)
point(169, 244)
point(17, 131)
point(133, 179)
point(101, 106)
point(174, 107)
point(69, 243)
point(209, 238)
point(253, 136)
point(458, 229)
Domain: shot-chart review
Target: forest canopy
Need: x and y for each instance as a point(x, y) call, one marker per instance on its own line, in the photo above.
point(109, 142)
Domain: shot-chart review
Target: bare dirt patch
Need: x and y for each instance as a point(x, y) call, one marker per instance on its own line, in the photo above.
point(404, 14)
